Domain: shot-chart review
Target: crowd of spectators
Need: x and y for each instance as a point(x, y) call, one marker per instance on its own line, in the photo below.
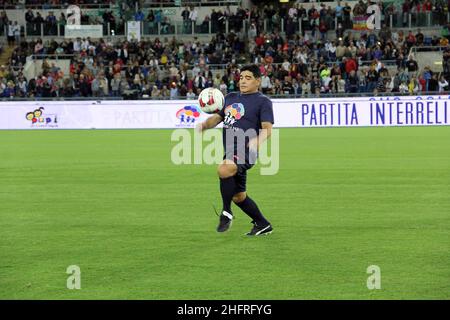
point(303, 64)
point(169, 69)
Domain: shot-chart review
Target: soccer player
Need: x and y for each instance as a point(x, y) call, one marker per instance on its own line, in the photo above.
point(247, 113)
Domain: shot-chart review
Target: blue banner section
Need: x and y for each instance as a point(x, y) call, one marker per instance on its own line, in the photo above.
point(393, 111)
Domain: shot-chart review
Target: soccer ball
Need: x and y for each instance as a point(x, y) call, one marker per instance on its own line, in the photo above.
point(211, 100)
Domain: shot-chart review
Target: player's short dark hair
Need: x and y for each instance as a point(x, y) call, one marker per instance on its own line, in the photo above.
point(253, 68)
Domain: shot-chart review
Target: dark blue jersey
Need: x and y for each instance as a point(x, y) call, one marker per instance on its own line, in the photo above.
point(244, 113)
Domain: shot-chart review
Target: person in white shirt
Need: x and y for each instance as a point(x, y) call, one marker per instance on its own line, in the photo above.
point(303, 57)
point(266, 84)
point(85, 44)
point(379, 65)
point(394, 37)
point(292, 12)
point(252, 31)
point(340, 84)
point(17, 32)
point(443, 84)
point(22, 85)
point(196, 69)
point(403, 88)
point(223, 88)
point(153, 62)
point(77, 45)
point(193, 15)
point(173, 70)
point(331, 48)
point(251, 45)
point(173, 91)
point(305, 87)
point(326, 83)
point(11, 29)
point(91, 49)
point(390, 84)
point(190, 95)
point(286, 65)
point(2, 85)
point(306, 38)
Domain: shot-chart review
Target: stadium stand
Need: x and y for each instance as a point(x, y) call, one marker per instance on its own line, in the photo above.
point(303, 49)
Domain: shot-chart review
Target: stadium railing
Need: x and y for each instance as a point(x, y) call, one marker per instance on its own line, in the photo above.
point(224, 66)
point(109, 5)
point(151, 4)
point(211, 27)
point(415, 49)
point(212, 67)
point(415, 20)
point(394, 21)
point(48, 6)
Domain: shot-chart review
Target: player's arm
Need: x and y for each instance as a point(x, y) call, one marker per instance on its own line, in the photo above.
point(264, 134)
point(209, 123)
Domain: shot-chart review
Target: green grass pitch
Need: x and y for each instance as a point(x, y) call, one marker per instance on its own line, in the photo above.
point(140, 227)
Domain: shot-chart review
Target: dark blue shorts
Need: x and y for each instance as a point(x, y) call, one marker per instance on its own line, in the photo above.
point(242, 166)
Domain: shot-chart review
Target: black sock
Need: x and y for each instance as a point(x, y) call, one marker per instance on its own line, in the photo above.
point(251, 209)
point(227, 187)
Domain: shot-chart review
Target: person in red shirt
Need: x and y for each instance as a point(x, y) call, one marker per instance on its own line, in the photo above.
point(418, 7)
point(73, 68)
point(423, 83)
point(350, 64)
point(411, 39)
point(323, 29)
point(118, 66)
point(427, 6)
point(259, 40)
point(293, 70)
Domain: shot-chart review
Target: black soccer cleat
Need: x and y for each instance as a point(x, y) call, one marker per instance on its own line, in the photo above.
point(260, 230)
point(225, 221)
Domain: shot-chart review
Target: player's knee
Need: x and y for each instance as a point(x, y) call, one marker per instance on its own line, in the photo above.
point(239, 197)
point(227, 169)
